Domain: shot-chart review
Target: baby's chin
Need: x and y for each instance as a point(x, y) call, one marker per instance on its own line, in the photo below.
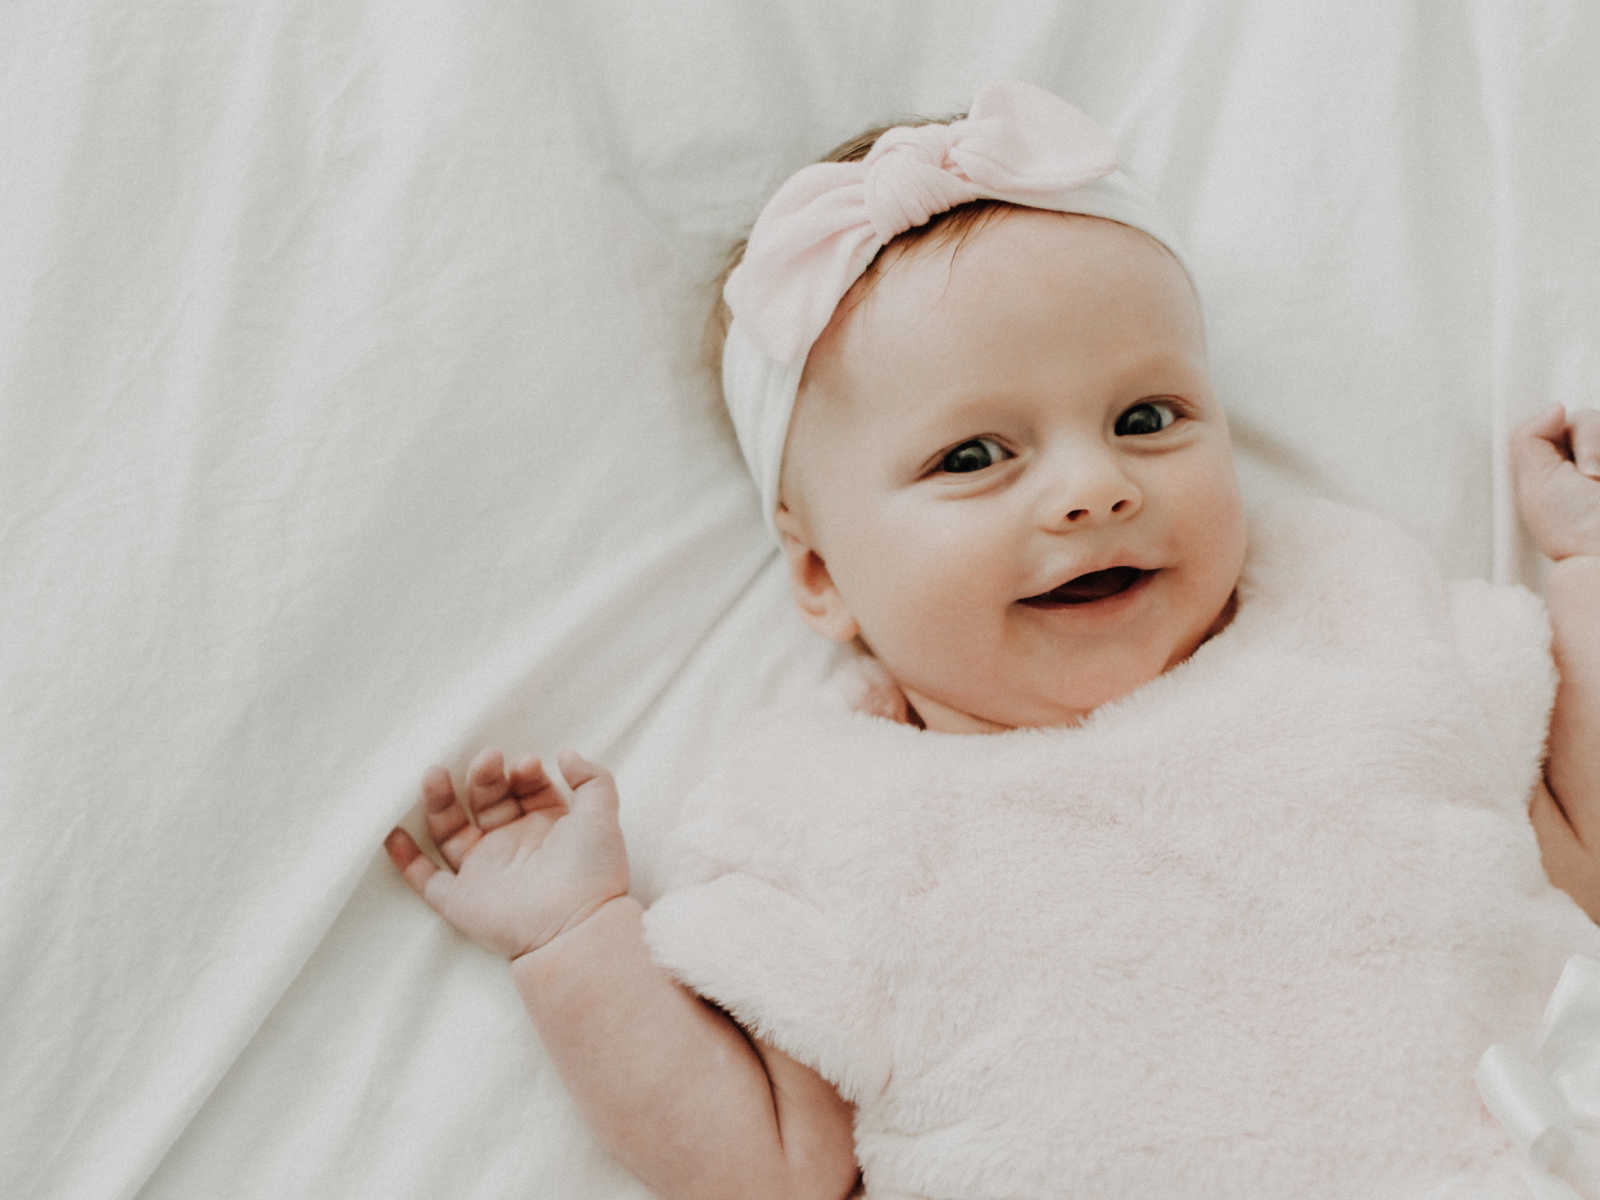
point(995, 714)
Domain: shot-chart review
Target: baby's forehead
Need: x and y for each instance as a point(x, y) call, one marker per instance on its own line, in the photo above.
point(986, 260)
point(1024, 281)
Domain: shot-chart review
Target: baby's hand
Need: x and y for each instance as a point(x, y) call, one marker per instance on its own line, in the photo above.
point(1556, 463)
point(530, 868)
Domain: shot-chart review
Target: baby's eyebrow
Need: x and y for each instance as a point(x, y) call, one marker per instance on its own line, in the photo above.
point(1160, 363)
point(965, 418)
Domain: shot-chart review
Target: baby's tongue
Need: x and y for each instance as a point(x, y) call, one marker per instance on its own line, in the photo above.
point(1096, 585)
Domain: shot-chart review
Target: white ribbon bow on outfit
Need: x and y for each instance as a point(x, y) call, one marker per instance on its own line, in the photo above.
point(1549, 1104)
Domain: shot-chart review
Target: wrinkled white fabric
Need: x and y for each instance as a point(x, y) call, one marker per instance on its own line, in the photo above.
point(351, 418)
point(1243, 932)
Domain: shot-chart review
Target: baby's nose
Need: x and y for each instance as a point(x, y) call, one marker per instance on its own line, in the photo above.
point(1097, 490)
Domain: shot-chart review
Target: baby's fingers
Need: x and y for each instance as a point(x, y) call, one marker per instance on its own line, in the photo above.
point(1553, 438)
point(436, 887)
point(1558, 480)
point(530, 784)
point(486, 781)
point(1540, 444)
point(414, 866)
point(447, 821)
point(593, 789)
point(529, 791)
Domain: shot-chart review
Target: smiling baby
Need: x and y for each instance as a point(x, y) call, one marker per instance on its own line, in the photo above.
point(1239, 880)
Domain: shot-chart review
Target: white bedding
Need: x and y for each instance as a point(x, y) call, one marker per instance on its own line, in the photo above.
point(352, 419)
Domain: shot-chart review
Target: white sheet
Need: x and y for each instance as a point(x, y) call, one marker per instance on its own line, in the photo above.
point(351, 420)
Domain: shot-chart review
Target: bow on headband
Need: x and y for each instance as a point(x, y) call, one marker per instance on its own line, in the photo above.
point(819, 231)
point(1550, 1104)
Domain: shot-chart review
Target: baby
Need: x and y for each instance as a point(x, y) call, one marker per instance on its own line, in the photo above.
point(1243, 878)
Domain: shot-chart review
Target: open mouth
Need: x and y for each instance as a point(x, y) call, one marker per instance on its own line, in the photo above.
point(1086, 589)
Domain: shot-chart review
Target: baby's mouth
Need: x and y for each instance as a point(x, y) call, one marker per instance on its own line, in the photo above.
point(1087, 588)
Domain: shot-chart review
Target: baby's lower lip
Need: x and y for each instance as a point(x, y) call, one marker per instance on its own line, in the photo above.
point(1126, 583)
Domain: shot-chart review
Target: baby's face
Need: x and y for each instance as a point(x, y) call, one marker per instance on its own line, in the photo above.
point(1010, 477)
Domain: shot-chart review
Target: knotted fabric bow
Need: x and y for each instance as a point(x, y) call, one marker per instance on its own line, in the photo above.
point(1018, 144)
point(1549, 1103)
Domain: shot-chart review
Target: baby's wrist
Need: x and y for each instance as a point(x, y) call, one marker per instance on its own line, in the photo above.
point(1572, 596)
point(579, 938)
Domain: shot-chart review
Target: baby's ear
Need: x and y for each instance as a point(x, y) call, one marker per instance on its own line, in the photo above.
point(810, 583)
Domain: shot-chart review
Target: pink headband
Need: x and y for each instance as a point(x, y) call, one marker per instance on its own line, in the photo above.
point(1018, 144)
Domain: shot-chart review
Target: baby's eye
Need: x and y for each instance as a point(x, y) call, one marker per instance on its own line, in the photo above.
point(973, 456)
point(1148, 416)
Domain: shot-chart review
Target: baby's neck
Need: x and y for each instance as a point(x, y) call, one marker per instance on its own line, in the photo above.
point(931, 714)
point(928, 713)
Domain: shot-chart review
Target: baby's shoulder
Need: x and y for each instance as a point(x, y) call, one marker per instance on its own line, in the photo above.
point(1302, 538)
point(1328, 538)
point(1347, 572)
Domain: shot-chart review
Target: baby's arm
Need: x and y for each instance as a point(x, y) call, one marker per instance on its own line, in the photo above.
point(672, 1086)
point(1558, 492)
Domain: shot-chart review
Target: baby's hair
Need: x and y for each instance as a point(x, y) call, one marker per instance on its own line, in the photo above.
point(953, 224)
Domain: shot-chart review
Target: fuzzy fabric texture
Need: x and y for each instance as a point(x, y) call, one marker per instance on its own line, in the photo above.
point(1243, 933)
